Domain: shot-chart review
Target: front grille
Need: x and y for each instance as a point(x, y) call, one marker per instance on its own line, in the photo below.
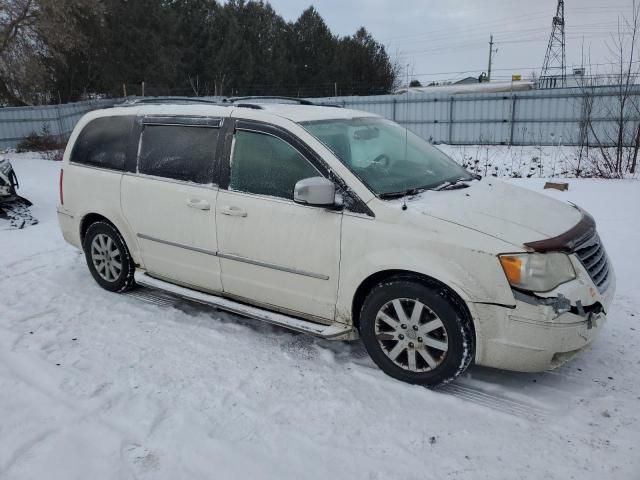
point(594, 259)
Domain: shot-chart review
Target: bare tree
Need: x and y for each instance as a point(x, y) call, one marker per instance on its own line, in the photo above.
point(617, 142)
point(17, 20)
point(32, 31)
point(199, 89)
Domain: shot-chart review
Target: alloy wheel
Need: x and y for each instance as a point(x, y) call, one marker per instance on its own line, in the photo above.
point(106, 257)
point(411, 335)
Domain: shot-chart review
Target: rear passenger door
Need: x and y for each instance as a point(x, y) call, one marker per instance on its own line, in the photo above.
point(170, 200)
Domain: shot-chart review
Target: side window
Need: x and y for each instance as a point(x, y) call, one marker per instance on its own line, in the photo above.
point(180, 152)
point(267, 165)
point(103, 142)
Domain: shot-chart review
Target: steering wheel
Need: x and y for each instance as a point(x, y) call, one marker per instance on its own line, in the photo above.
point(382, 160)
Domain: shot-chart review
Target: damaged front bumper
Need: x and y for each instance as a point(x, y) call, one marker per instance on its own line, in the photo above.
point(543, 331)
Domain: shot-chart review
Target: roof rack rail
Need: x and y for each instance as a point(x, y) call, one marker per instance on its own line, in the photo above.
point(301, 101)
point(326, 104)
point(225, 102)
point(253, 106)
point(154, 100)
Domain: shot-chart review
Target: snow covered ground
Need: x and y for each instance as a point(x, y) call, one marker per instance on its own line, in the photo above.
point(542, 161)
point(103, 386)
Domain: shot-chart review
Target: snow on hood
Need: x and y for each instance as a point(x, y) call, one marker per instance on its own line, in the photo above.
point(513, 214)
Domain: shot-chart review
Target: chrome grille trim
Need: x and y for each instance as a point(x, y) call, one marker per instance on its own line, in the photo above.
point(594, 259)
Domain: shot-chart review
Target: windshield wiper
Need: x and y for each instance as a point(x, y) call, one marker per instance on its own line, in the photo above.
point(403, 193)
point(449, 185)
point(454, 184)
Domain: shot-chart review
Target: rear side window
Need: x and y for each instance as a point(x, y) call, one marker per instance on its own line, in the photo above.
point(103, 142)
point(179, 152)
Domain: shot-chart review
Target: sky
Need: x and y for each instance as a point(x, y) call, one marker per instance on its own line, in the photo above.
point(446, 40)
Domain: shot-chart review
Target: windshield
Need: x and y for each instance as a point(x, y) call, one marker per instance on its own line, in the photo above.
point(385, 156)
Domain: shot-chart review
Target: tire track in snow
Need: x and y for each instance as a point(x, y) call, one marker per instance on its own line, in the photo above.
point(499, 403)
point(34, 256)
point(23, 449)
point(472, 394)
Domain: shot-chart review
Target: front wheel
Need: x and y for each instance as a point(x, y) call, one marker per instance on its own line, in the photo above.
point(415, 332)
point(108, 257)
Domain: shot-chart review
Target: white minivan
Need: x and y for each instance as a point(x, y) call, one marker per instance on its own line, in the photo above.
point(336, 223)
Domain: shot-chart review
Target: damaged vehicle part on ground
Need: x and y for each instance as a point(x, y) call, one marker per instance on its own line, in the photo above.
point(8, 180)
point(336, 223)
point(14, 209)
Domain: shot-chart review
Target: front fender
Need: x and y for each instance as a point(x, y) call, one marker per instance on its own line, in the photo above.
point(461, 260)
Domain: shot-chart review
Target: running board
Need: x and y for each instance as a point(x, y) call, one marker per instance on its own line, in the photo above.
point(337, 331)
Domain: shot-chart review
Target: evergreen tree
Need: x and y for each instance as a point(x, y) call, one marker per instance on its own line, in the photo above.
point(78, 48)
point(314, 53)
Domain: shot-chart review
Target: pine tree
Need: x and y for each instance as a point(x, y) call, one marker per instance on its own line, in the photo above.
point(77, 48)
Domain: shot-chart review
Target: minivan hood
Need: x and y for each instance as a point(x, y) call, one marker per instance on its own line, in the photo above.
point(513, 214)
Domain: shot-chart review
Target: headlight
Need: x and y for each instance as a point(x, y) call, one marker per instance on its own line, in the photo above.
point(537, 272)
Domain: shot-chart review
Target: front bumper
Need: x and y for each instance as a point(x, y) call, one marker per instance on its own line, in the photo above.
point(542, 333)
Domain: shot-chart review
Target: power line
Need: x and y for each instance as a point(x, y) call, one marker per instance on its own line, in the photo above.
point(484, 27)
point(510, 69)
point(506, 36)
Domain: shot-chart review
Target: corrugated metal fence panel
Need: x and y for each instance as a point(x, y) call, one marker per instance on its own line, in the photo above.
point(17, 123)
point(481, 119)
point(519, 118)
point(554, 116)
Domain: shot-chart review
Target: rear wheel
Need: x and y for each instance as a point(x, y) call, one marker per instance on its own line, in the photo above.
point(415, 332)
point(108, 257)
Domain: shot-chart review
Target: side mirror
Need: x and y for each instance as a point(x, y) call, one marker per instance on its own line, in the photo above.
point(316, 192)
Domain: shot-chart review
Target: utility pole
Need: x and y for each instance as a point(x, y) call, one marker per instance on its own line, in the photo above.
point(491, 52)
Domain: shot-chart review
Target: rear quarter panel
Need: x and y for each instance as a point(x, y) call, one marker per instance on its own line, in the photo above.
point(90, 190)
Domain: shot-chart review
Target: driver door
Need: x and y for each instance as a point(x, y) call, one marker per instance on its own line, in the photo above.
point(275, 252)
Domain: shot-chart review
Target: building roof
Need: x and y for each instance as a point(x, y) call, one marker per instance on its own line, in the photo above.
point(467, 80)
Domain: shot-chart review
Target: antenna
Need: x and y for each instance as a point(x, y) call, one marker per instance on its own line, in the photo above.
point(406, 113)
point(406, 134)
point(554, 69)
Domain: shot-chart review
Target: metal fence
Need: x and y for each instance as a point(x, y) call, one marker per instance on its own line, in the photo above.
point(17, 123)
point(533, 117)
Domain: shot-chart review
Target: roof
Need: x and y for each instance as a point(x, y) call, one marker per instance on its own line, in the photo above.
point(291, 111)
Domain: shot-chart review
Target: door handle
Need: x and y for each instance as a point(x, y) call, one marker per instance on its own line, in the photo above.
point(233, 211)
point(199, 204)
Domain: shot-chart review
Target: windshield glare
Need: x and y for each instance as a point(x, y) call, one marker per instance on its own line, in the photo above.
point(385, 156)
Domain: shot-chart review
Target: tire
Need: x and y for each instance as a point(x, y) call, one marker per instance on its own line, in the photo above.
point(439, 336)
point(116, 274)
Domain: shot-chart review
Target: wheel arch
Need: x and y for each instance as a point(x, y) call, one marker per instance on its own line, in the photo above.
point(92, 217)
point(385, 275)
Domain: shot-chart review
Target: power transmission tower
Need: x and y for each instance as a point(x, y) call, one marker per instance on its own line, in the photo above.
point(554, 68)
